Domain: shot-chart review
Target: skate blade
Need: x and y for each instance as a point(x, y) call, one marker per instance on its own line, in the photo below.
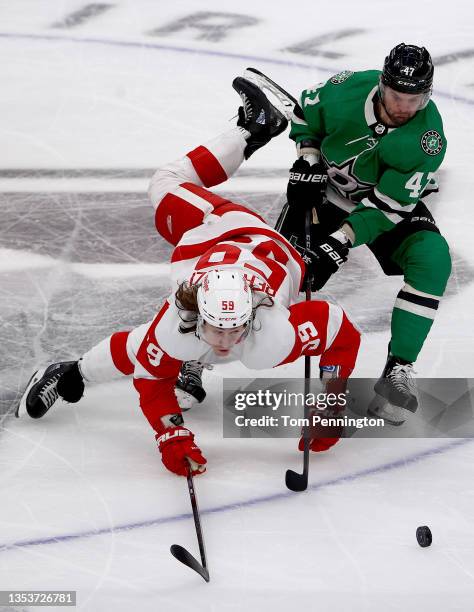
point(393, 415)
point(280, 98)
point(21, 410)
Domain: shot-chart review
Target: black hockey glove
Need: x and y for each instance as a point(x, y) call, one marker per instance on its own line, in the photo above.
point(325, 258)
point(306, 186)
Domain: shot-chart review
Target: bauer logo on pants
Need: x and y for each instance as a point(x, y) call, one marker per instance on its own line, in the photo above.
point(431, 142)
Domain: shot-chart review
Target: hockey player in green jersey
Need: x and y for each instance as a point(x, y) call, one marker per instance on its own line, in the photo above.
point(369, 144)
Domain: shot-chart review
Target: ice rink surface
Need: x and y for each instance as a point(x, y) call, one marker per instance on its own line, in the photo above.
point(94, 97)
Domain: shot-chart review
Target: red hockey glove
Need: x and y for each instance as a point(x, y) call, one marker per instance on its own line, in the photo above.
point(322, 437)
point(178, 451)
point(318, 445)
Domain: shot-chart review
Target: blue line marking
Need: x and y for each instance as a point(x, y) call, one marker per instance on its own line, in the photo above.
point(189, 50)
point(284, 495)
point(162, 47)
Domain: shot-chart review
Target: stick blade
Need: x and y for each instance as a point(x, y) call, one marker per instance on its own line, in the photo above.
point(186, 557)
point(295, 481)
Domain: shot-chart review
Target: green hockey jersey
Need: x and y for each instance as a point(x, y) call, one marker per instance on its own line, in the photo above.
point(376, 174)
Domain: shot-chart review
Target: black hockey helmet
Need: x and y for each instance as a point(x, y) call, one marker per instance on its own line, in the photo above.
point(408, 69)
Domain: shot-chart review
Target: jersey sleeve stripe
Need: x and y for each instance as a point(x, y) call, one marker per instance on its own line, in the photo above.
point(391, 203)
point(183, 192)
point(335, 316)
point(118, 351)
point(394, 211)
point(393, 217)
point(207, 166)
point(218, 205)
point(172, 226)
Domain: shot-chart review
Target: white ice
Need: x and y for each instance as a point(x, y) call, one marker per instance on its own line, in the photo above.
point(81, 98)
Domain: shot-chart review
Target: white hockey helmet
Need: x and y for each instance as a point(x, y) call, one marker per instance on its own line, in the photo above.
point(224, 299)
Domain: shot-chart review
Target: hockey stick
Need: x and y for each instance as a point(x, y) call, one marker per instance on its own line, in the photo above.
point(181, 553)
point(293, 480)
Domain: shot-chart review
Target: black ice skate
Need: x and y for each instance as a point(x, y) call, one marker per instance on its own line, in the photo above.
point(188, 388)
point(47, 385)
point(257, 115)
point(396, 384)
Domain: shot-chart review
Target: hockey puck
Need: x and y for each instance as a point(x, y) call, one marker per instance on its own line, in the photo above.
point(424, 536)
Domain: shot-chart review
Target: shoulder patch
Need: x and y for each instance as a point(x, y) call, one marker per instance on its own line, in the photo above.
point(340, 77)
point(431, 142)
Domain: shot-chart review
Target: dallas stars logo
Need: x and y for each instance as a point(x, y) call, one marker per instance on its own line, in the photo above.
point(343, 177)
point(431, 142)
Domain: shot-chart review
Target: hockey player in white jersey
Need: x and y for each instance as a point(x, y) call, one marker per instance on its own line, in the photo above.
point(237, 297)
